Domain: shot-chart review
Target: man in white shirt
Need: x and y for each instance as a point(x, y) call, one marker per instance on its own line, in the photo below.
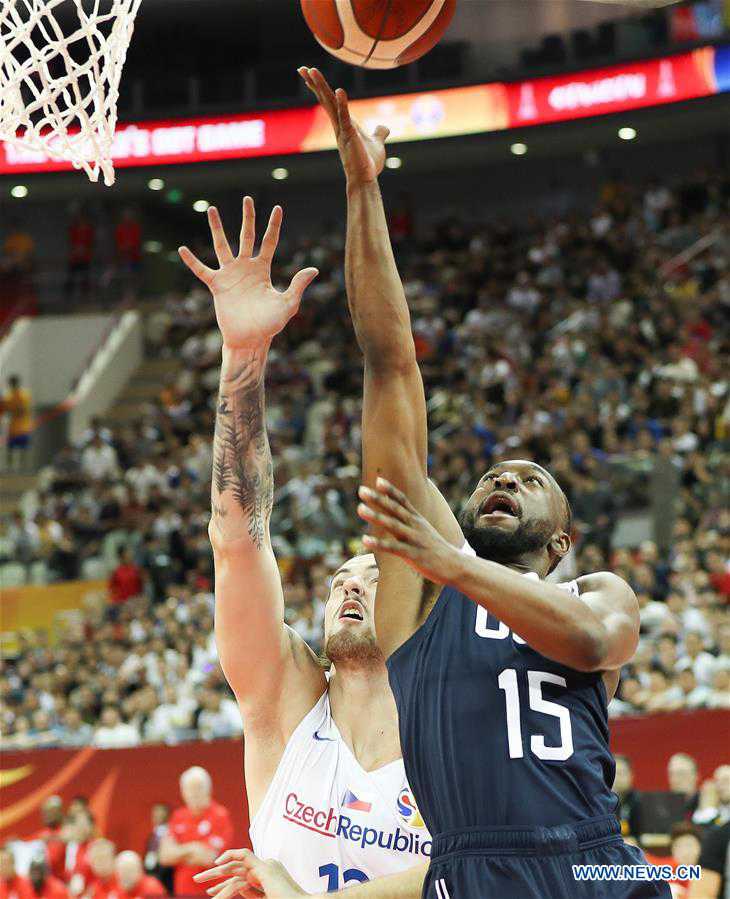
point(99, 460)
point(113, 732)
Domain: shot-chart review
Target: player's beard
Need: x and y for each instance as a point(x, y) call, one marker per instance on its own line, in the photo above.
point(499, 545)
point(344, 647)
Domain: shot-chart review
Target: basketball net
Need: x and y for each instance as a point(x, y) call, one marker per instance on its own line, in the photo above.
point(60, 65)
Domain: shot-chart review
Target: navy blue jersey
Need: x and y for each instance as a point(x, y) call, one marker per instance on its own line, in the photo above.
point(492, 732)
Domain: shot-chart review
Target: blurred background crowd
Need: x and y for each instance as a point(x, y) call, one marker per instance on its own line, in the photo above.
point(551, 339)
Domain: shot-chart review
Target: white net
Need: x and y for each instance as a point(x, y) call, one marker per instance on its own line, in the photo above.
point(60, 66)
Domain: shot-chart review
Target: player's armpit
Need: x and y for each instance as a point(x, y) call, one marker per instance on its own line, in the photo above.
point(616, 613)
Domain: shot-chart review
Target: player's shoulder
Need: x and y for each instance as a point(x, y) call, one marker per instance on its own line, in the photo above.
point(608, 586)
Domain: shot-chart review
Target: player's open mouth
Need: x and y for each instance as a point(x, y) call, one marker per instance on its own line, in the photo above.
point(351, 610)
point(501, 503)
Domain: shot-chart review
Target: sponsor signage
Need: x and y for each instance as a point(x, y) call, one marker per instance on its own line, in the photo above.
point(421, 116)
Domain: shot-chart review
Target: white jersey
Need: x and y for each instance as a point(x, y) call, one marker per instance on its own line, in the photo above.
point(331, 823)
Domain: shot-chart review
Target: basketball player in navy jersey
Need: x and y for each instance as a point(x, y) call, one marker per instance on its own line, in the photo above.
point(501, 679)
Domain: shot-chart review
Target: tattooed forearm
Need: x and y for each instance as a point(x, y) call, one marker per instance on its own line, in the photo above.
point(243, 479)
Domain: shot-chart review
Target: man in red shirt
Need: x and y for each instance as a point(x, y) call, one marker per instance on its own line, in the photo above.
point(38, 885)
point(126, 579)
point(133, 882)
point(80, 252)
point(78, 870)
point(197, 834)
point(50, 833)
point(103, 884)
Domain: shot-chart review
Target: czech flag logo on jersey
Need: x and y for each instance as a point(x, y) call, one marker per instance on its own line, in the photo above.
point(359, 803)
point(408, 809)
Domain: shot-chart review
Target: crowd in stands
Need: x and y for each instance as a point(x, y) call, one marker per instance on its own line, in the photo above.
point(70, 856)
point(574, 341)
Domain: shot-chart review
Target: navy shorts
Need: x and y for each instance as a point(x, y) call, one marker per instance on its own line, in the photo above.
point(534, 863)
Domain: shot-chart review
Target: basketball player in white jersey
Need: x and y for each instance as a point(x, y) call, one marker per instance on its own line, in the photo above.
point(325, 780)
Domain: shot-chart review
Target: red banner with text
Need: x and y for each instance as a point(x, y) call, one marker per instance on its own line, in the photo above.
point(478, 109)
point(122, 785)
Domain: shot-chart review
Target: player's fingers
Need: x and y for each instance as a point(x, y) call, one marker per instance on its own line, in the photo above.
point(230, 867)
point(248, 228)
point(220, 241)
point(271, 237)
point(325, 94)
point(343, 109)
point(382, 502)
point(233, 855)
point(195, 265)
point(230, 888)
point(381, 133)
point(218, 887)
point(388, 545)
point(299, 283)
point(384, 485)
point(386, 522)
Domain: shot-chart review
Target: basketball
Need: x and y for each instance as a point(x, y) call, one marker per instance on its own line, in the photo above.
point(378, 34)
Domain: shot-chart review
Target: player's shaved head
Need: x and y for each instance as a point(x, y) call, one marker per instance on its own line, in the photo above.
point(128, 869)
point(101, 857)
point(196, 788)
point(518, 515)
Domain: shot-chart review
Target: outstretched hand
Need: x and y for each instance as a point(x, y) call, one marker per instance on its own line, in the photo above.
point(363, 156)
point(240, 873)
point(247, 306)
point(404, 532)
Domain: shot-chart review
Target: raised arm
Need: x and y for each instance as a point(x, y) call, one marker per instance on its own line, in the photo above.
point(595, 631)
point(395, 436)
point(257, 651)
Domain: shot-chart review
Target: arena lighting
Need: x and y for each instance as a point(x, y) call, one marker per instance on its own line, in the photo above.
point(19, 191)
point(518, 149)
point(156, 184)
point(152, 246)
point(280, 174)
point(394, 162)
point(627, 133)
point(201, 205)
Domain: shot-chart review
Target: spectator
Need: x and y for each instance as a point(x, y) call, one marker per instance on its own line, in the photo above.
point(220, 717)
point(17, 405)
point(128, 243)
point(132, 880)
point(37, 885)
point(714, 805)
point(52, 835)
point(10, 882)
point(99, 460)
point(113, 733)
point(18, 251)
point(160, 819)
point(80, 255)
point(187, 846)
point(685, 846)
point(126, 580)
point(682, 775)
point(81, 831)
point(103, 883)
point(715, 864)
point(629, 800)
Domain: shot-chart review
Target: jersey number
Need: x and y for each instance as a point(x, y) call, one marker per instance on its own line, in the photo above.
point(332, 873)
point(535, 679)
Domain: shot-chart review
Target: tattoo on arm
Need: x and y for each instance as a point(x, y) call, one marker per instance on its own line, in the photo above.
point(242, 467)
